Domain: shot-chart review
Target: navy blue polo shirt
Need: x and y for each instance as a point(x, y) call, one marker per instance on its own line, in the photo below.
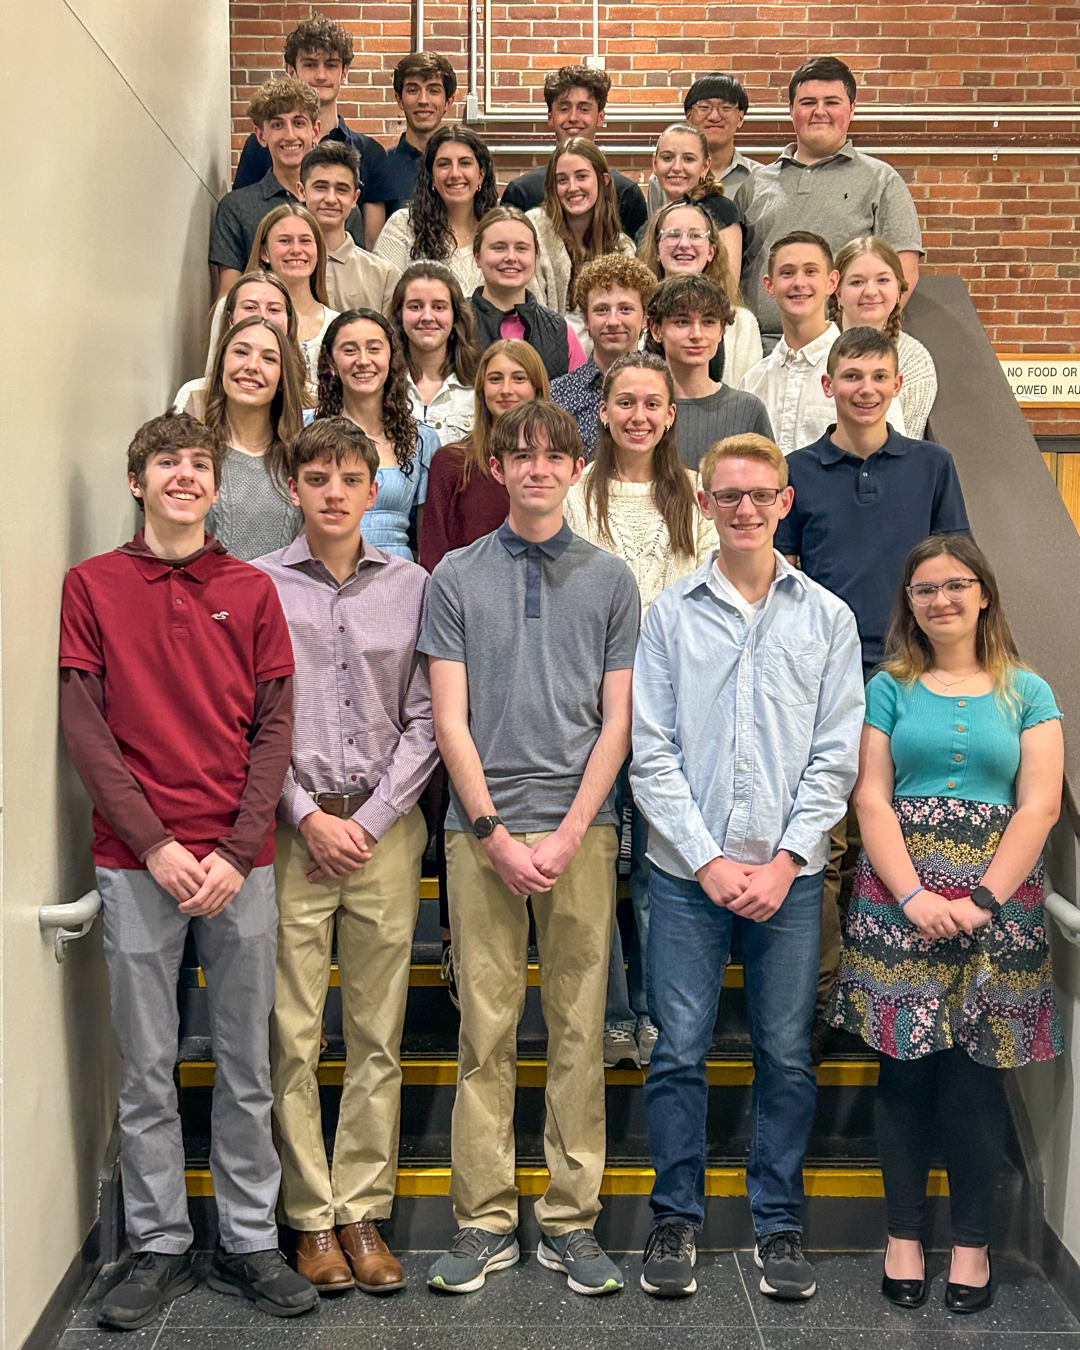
point(255, 162)
point(854, 521)
point(399, 174)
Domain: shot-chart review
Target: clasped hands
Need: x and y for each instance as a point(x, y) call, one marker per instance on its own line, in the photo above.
point(936, 917)
point(199, 888)
point(338, 847)
point(752, 891)
point(527, 870)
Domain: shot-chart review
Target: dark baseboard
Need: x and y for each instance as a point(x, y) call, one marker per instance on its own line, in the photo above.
point(67, 1295)
point(1061, 1269)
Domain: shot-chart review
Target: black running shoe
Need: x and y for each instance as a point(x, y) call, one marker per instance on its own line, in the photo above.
point(265, 1278)
point(785, 1272)
point(151, 1280)
point(669, 1260)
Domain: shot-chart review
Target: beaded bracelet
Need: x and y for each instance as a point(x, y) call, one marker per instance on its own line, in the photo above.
point(912, 896)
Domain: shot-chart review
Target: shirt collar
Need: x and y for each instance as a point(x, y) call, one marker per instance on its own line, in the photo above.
point(198, 565)
point(298, 554)
point(407, 149)
point(704, 576)
point(813, 351)
point(344, 251)
point(272, 188)
point(830, 453)
point(554, 547)
point(846, 151)
point(590, 374)
point(738, 161)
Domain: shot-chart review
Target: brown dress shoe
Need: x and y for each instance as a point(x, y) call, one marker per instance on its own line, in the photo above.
point(377, 1269)
point(319, 1259)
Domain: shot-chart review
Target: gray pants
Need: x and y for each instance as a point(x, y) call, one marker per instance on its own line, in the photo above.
point(144, 944)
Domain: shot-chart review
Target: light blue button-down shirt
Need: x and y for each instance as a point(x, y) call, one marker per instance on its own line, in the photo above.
point(746, 738)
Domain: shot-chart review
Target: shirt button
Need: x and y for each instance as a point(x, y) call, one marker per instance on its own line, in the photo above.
point(350, 740)
point(959, 728)
point(348, 702)
point(958, 758)
point(951, 783)
point(865, 474)
point(744, 766)
point(353, 778)
point(344, 665)
point(341, 628)
point(961, 703)
point(179, 601)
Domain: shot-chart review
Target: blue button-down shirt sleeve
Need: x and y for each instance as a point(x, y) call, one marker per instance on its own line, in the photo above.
point(821, 798)
point(657, 774)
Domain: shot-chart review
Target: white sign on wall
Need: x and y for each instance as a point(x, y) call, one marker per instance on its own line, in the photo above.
point(1043, 381)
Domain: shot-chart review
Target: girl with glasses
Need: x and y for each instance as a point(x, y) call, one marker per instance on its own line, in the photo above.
point(683, 169)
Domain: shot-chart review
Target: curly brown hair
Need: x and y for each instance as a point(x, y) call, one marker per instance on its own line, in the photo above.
point(172, 431)
point(319, 35)
point(399, 425)
point(561, 81)
point(280, 96)
point(428, 219)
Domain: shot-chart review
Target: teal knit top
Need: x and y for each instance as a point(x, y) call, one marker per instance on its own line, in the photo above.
point(955, 745)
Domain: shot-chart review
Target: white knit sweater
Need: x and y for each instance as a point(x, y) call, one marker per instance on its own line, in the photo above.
point(395, 243)
point(552, 281)
point(640, 534)
point(920, 384)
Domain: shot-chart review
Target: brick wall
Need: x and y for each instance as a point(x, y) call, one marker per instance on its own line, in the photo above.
point(1010, 226)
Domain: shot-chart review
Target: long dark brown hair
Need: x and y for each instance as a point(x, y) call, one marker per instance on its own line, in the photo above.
point(604, 230)
point(285, 407)
point(399, 426)
point(672, 490)
point(908, 651)
point(461, 353)
point(432, 236)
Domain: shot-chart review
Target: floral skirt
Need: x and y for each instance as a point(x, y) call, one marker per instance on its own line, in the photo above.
point(907, 995)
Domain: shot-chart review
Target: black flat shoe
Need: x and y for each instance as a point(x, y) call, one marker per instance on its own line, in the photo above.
point(962, 1298)
point(905, 1293)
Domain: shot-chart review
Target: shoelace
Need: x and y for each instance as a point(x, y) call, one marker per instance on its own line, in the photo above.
point(583, 1246)
point(782, 1246)
point(368, 1235)
point(667, 1240)
point(471, 1241)
point(321, 1240)
point(619, 1035)
point(144, 1267)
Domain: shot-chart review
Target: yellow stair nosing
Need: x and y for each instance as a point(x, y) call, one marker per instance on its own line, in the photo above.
point(532, 1073)
point(856, 1183)
point(425, 974)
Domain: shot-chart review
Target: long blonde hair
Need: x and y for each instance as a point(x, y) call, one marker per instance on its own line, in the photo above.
point(908, 651)
point(717, 268)
point(880, 248)
point(255, 262)
point(476, 447)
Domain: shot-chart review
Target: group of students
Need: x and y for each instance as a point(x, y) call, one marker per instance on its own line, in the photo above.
point(636, 609)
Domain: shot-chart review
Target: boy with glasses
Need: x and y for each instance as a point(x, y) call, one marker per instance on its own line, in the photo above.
point(864, 497)
point(718, 105)
point(748, 705)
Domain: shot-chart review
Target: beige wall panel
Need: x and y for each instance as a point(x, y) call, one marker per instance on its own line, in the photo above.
point(105, 296)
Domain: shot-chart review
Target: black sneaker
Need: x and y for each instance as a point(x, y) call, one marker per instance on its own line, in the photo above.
point(265, 1278)
point(151, 1280)
point(669, 1260)
point(785, 1272)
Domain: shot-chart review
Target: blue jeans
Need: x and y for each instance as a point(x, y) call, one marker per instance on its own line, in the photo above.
point(689, 942)
point(626, 1000)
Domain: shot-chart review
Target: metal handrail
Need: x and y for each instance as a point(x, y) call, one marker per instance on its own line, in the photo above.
point(1065, 914)
point(71, 921)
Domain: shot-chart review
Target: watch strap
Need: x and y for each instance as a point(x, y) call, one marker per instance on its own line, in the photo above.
point(985, 898)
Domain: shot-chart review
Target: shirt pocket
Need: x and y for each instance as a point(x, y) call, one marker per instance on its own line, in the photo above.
point(791, 672)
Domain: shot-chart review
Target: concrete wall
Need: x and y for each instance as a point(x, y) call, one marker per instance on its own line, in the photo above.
point(119, 146)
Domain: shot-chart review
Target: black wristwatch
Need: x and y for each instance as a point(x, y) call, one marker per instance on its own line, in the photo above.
point(483, 826)
point(985, 898)
point(796, 858)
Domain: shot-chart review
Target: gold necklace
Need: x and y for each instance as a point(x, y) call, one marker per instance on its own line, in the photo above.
point(953, 683)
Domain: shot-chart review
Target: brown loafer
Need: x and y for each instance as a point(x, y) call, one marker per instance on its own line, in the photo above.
point(377, 1269)
point(319, 1259)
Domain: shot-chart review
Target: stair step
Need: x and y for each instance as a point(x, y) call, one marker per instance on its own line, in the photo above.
point(532, 1073)
point(426, 975)
point(831, 1182)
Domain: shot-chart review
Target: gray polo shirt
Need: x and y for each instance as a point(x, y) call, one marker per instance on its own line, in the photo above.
point(537, 626)
point(701, 422)
point(238, 216)
point(840, 198)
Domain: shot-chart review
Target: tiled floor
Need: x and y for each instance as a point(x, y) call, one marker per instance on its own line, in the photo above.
point(529, 1308)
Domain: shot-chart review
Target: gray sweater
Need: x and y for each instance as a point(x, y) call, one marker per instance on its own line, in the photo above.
point(701, 422)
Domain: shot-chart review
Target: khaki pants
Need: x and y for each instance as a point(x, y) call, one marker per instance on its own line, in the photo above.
point(376, 911)
point(490, 927)
point(844, 845)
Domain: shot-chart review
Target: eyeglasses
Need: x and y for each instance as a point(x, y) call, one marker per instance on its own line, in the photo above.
point(923, 593)
point(709, 107)
point(694, 236)
point(729, 497)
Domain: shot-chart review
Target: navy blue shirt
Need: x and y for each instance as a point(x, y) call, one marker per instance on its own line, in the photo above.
point(527, 190)
point(255, 162)
point(854, 521)
point(399, 174)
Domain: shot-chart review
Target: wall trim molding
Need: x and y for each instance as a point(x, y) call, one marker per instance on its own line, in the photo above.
point(68, 1294)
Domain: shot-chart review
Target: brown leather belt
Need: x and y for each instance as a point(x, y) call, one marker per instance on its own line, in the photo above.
point(340, 804)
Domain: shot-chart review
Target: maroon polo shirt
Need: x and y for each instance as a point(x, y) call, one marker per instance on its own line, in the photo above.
point(180, 651)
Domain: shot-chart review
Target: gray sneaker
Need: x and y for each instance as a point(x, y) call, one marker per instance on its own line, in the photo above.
point(620, 1046)
point(646, 1039)
point(785, 1272)
point(582, 1260)
point(472, 1255)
